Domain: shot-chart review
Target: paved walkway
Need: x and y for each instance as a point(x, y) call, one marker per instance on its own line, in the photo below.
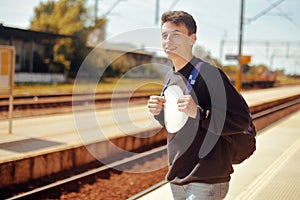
point(272, 172)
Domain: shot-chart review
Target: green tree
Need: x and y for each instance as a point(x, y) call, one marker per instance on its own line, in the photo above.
point(41, 20)
point(66, 17)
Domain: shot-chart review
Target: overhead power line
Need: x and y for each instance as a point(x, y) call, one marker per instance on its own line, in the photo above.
point(111, 8)
point(173, 5)
point(265, 11)
point(284, 15)
point(157, 9)
point(270, 42)
point(107, 12)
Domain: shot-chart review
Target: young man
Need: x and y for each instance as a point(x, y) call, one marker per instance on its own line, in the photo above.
point(198, 156)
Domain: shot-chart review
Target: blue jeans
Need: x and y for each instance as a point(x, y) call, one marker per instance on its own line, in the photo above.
point(200, 191)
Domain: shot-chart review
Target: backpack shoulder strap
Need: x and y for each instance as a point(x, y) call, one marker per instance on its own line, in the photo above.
point(190, 82)
point(193, 76)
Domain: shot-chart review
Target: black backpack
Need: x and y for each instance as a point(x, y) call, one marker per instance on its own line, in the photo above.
point(243, 144)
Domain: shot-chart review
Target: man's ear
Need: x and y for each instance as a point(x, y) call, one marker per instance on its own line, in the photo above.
point(193, 38)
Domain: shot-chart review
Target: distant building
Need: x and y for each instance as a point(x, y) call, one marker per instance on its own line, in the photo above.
point(31, 47)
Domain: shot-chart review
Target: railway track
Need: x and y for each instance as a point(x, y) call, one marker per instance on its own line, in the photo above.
point(262, 118)
point(68, 99)
point(35, 105)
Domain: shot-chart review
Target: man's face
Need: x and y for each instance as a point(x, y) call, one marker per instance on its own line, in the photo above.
point(176, 40)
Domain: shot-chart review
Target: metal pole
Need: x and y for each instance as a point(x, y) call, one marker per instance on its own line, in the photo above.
point(239, 68)
point(11, 83)
point(157, 12)
point(96, 11)
point(10, 111)
point(241, 28)
point(221, 51)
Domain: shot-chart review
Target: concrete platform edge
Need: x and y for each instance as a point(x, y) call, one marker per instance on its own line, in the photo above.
point(38, 166)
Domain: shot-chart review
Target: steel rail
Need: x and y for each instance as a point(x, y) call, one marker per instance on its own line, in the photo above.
point(68, 99)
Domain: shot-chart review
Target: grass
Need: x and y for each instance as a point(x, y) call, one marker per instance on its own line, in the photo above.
point(110, 85)
point(288, 80)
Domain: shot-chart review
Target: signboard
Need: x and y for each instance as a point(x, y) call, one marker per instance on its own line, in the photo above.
point(244, 60)
point(7, 55)
point(4, 72)
point(7, 70)
point(231, 57)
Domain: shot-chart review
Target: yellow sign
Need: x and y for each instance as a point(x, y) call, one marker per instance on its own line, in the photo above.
point(7, 63)
point(4, 69)
point(243, 60)
point(7, 70)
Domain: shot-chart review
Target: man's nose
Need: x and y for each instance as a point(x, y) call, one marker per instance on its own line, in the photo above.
point(168, 38)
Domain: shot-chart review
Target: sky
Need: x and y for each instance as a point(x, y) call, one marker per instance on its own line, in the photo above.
point(271, 36)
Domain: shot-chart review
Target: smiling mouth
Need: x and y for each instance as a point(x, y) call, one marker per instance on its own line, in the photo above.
point(170, 49)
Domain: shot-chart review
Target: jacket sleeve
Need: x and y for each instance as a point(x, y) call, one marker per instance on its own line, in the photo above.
point(227, 113)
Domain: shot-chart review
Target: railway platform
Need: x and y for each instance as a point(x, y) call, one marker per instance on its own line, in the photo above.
point(45, 145)
point(272, 172)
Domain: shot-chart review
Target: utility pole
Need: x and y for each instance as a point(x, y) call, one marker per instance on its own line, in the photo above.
point(221, 51)
point(241, 58)
point(222, 47)
point(239, 68)
point(156, 12)
point(96, 11)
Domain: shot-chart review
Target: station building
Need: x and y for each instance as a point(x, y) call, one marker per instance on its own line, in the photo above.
point(31, 47)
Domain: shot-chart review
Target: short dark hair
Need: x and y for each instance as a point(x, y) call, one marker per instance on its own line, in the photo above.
point(180, 17)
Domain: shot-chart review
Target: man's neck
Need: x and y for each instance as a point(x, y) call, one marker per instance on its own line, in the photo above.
point(179, 63)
